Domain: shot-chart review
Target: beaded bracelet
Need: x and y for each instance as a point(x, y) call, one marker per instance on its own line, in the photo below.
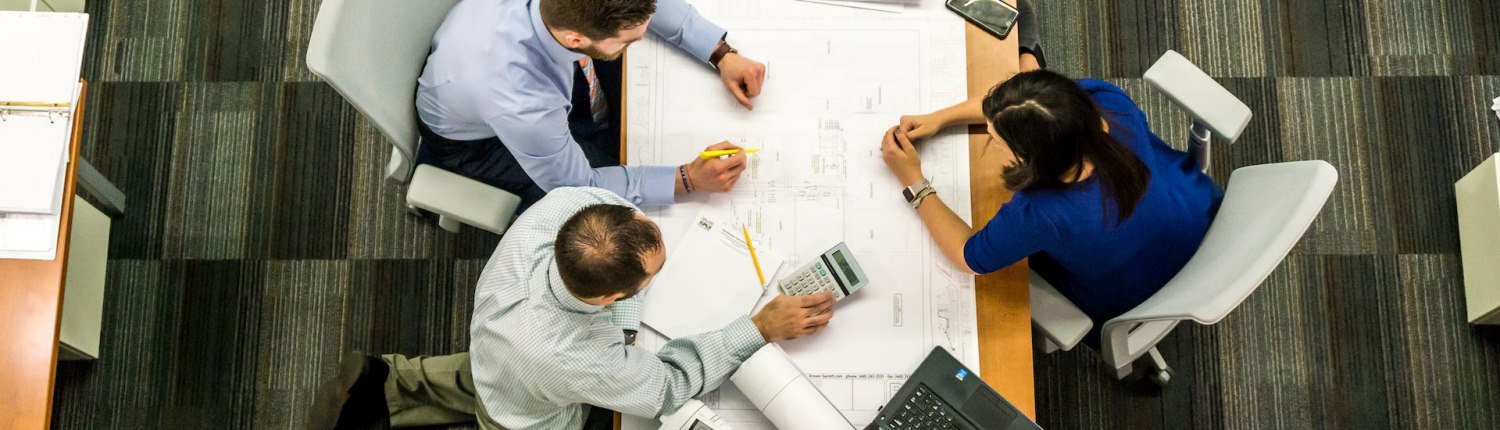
point(682, 171)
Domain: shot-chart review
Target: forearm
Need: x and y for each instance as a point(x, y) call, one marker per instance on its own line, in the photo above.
point(968, 112)
point(948, 230)
point(647, 384)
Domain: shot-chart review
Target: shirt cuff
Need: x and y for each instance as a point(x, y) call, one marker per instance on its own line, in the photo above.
point(658, 185)
point(702, 37)
point(743, 338)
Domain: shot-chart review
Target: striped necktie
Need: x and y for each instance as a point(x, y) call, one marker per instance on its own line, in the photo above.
point(598, 105)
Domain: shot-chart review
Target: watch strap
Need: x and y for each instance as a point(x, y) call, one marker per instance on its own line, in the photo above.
point(922, 195)
point(912, 191)
point(719, 52)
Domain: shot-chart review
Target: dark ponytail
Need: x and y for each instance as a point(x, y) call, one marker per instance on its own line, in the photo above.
point(1052, 125)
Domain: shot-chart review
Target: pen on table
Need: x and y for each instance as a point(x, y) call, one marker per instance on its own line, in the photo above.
point(753, 259)
point(709, 155)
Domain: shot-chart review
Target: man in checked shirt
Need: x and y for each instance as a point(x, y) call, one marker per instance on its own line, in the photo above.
point(552, 333)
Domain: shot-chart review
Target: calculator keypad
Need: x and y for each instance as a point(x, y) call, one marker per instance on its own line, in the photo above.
point(810, 279)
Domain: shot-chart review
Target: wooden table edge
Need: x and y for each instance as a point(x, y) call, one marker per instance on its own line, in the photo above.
point(41, 283)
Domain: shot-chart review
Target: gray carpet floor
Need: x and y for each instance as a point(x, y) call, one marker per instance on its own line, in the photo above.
point(261, 240)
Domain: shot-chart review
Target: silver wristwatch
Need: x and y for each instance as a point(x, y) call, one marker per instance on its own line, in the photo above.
point(915, 193)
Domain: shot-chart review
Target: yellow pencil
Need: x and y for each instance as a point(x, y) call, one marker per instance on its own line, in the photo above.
point(753, 259)
point(709, 155)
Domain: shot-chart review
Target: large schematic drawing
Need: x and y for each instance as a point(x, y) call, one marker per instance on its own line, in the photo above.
point(833, 88)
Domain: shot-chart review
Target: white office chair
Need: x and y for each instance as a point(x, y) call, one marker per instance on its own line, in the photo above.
point(1213, 108)
point(371, 52)
point(1266, 210)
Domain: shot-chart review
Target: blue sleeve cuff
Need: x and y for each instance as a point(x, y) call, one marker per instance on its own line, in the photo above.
point(702, 37)
point(679, 23)
point(658, 185)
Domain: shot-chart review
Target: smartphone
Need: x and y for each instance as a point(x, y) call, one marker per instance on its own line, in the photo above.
point(995, 16)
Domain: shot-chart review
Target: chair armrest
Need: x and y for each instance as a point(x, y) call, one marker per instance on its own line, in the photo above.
point(1203, 98)
point(1055, 317)
point(465, 200)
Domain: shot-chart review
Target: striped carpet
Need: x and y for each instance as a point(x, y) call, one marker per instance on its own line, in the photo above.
point(261, 240)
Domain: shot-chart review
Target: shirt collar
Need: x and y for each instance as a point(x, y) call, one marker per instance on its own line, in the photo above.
point(564, 298)
point(554, 50)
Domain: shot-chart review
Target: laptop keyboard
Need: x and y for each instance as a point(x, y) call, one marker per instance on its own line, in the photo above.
point(923, 410)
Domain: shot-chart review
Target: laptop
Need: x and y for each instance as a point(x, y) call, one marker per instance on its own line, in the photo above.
point(943, 394)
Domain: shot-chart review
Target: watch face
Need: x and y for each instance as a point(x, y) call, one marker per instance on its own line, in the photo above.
point(906, 192)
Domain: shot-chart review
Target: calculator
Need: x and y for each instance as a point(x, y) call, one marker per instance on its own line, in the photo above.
point(834, 270)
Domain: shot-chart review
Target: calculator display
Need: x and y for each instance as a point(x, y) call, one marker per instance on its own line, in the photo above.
point(849, 274)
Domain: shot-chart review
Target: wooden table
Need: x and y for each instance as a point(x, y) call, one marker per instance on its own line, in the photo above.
point(1003, 300)
point(31, 293)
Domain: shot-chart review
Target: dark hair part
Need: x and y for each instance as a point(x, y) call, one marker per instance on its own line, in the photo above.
point(596, 19)
point(601, 250)
point(1053, 125)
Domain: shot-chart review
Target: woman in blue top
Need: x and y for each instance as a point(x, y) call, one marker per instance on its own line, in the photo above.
point(1107, 212)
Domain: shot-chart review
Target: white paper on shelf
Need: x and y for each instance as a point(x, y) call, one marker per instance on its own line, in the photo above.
point(708, 280)
point(33, 159)
point(30, 236)
point(50, 46)
point(834, 86)
point(33, 236)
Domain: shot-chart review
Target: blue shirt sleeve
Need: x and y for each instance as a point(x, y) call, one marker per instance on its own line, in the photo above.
point(1017, 231)
point(679, 23)
point(545, 149)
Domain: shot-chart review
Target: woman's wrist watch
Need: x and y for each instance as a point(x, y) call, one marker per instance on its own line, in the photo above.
point(917, 192)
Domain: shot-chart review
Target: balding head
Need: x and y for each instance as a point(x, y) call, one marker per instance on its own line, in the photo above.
point(603, 250)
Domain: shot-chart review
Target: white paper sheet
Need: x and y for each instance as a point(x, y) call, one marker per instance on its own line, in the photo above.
point(32, 159)
point(883, 7)
point(834, 86)
point(31, 236)
point(43, 52)
point(708, 280)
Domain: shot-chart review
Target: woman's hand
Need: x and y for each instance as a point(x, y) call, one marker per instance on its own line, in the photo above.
point(922, 126)
point(901, 156)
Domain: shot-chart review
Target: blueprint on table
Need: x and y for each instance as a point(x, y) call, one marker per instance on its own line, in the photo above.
point(833, 88)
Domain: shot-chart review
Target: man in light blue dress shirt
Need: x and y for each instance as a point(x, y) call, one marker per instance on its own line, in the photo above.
point(554, 317)
point(524, 95)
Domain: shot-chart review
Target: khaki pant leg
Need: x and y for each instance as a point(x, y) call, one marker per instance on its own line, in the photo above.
point(426, 391)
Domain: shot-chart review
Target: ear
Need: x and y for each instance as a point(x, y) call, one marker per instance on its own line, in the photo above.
point(610, 299)
point(574, 40)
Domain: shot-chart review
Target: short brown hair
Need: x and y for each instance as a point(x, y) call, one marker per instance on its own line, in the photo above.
point(601, 250)
point(596, 19)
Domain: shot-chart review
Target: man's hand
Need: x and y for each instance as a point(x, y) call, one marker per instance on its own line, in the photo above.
point(901, 156)
point(743, 77)
point(790, 317)
point(716, 175)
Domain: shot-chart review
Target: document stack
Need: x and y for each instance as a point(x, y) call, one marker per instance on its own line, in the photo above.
point(38, 91)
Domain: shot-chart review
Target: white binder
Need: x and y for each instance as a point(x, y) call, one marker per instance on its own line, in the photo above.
point(43, 52)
